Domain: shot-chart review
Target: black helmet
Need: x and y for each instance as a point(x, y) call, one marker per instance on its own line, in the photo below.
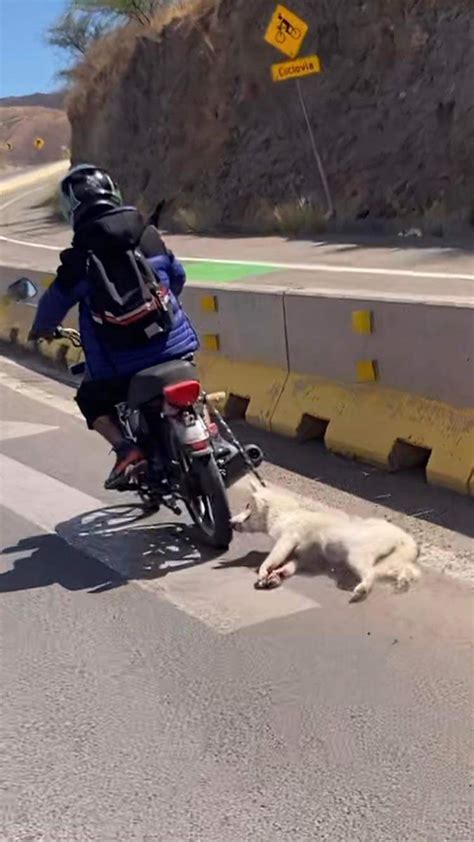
point(85, 190)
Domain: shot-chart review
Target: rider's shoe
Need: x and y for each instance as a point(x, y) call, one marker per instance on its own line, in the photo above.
point(129, 458)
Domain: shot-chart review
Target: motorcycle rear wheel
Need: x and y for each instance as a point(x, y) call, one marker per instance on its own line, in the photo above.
point(208, 504)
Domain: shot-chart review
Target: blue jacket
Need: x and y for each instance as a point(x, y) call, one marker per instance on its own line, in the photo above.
point(71, 288)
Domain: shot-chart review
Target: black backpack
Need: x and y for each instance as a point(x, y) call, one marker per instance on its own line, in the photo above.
point(128, 304)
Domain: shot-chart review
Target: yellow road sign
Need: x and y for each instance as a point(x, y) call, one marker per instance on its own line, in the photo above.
point(292, 69)
point(286, 31)
point(39, 143)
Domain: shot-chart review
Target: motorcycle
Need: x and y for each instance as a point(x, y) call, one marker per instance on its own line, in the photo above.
point(191, 453)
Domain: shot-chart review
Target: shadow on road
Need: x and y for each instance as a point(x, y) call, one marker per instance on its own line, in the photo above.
point(46, 560)
point(363, 235)
point(406, 492)
point(102, 550)
point(344, 578)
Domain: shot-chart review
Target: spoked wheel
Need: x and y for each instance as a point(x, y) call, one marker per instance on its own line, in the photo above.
point(207, 502)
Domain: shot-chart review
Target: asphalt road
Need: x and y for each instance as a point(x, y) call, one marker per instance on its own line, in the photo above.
point(150, 693)
point(409, 268)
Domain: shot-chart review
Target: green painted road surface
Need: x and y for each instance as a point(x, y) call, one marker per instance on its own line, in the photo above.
point(223, 273)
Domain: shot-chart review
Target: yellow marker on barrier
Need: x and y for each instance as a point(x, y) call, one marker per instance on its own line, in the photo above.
point(366, 371)
point(362, 321)
point(46, 282)
point(210, 342)
point(209, 303)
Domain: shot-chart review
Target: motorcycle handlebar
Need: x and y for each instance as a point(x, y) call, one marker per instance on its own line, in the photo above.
point(69, 333)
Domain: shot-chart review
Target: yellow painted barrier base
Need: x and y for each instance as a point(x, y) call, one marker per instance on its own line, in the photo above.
point(262, 385)
point(369, 422)
point(364, 421)
point(15, 325)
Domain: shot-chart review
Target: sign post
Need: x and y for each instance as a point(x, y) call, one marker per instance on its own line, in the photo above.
point(286, 32)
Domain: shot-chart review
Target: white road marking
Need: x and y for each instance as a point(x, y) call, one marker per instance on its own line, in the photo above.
point(37, 394)
point(20, 429)
point(223, 599)
point(458, 565)
point(17, 182)
point(338, 268)
point(302, 267)
point(20, 197)
point(29, 245)
point(39, 498)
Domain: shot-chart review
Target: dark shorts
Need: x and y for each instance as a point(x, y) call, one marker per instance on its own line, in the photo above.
point(99, 397)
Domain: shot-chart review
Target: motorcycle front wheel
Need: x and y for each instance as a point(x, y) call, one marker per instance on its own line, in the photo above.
point(207, 502)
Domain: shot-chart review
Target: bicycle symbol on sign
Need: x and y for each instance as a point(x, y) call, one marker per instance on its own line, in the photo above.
point(285, 28)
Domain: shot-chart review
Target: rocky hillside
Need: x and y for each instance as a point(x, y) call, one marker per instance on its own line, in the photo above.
point(190, 113)
point(23, 119)
point(54, 100)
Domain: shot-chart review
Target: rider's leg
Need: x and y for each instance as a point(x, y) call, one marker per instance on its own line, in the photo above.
point(109, 430)
point(97, 401)
point(128, 454)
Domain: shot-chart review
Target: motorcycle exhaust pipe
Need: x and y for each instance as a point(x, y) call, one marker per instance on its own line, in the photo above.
point(255, 454)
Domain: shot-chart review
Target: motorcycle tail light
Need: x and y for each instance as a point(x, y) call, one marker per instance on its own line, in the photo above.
point(199, 445)
point(182, 394)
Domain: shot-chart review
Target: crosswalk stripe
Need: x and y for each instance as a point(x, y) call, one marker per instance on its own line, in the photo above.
point(21, 429)
point(221, 597)
point(40, 395)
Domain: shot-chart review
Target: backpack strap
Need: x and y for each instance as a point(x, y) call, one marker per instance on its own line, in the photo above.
point(144, 271)
point(92, 259)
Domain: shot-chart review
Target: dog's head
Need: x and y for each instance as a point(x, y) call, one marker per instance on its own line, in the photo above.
point(254, 517)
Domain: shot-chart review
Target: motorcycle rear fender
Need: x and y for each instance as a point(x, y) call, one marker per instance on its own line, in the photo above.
point(194, 437)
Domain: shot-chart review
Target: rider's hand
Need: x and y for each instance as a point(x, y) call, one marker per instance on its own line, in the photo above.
point(47, 335)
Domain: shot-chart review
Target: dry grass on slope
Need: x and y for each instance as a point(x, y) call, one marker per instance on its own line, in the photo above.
point(107, 60)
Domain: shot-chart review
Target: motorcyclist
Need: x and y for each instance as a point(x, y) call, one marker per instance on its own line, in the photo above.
point(105, 227)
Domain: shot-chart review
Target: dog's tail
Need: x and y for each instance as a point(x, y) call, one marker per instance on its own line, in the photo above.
point(400, 564)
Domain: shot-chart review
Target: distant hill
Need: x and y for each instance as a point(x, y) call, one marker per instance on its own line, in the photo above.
point(54, 100)
point(22, 125)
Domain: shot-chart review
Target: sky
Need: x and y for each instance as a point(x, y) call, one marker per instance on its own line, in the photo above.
point(27, 64)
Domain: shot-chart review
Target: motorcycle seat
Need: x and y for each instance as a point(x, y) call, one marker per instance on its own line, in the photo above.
point(147, 385)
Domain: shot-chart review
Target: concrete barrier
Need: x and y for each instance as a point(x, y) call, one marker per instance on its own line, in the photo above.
point(388, 382)
point(16, 320)
point(387, 428)
point(244, 344)
point(421, 348)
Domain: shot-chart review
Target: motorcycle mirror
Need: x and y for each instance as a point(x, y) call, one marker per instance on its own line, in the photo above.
point(22, 290)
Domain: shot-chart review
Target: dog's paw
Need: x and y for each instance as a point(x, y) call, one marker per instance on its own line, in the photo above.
point(260, 584)
point(402, 585)
point(359, 593)
point(273, 580)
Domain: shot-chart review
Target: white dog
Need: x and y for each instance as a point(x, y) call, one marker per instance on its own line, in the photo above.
point(371, 547)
